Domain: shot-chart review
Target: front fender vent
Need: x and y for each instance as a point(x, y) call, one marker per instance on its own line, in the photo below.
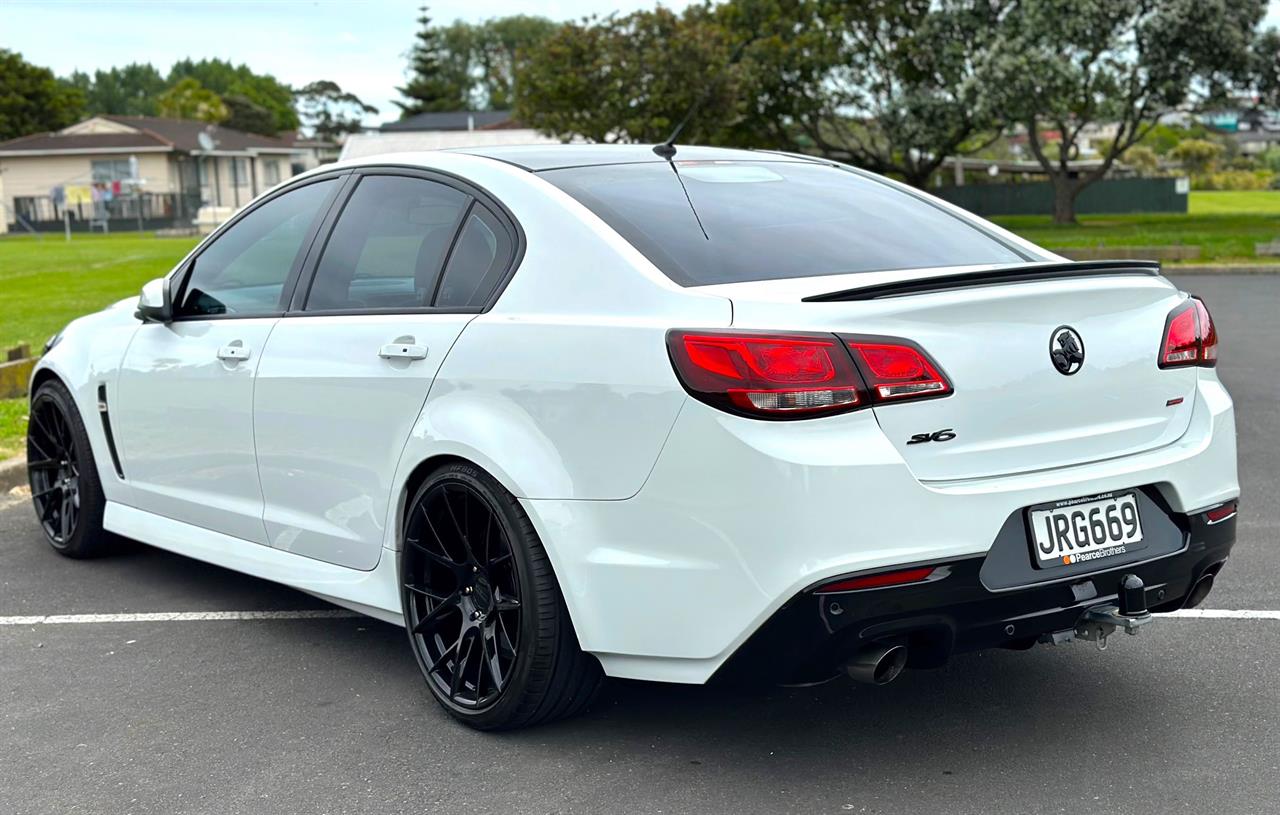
point(105, 415)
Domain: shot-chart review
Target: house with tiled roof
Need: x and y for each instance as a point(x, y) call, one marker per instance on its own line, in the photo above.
point(135, 169)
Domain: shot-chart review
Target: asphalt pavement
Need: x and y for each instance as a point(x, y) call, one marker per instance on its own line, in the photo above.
point(330, 715)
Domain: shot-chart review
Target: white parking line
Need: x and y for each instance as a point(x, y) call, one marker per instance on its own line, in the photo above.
point(1223, 614)
point(180, 617)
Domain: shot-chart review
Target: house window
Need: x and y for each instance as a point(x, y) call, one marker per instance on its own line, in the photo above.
point(240, 172)
point(108, 170)
point(271, 172)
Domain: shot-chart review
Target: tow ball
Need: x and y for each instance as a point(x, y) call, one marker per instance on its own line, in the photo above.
point(1129, 614)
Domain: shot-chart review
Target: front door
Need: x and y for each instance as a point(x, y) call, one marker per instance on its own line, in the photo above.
point(344, 377)
point(185, 422)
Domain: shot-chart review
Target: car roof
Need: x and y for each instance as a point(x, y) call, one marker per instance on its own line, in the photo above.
point(538, 157)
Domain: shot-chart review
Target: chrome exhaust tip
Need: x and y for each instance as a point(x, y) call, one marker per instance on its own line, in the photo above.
point(1199, 591)
point(877, 664)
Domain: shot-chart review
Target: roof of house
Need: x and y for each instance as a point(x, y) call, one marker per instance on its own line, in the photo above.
point(148, 133)
point(450, 120)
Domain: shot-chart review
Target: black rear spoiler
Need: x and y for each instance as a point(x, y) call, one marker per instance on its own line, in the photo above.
point(991, 277)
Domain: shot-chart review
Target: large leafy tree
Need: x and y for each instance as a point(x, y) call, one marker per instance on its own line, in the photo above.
point(895, 86)
point(188, 99)
point(486, 57)
point(329, 111)
point(434, 81)
point(631, 78)
point(1122, 64)
point(257, 92)
point(131, 90)
point(32, 100)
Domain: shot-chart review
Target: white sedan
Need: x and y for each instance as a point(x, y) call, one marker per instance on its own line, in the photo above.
point(571, 412)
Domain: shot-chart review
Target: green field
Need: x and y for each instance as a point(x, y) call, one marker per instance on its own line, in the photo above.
point(1225, 225)
point(46, 282)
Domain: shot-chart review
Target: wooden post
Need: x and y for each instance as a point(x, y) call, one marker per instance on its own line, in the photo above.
point(66, 222)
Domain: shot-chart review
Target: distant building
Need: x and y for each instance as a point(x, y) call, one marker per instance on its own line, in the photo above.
point(136, 169)
point(311, 152)
point(439, 131)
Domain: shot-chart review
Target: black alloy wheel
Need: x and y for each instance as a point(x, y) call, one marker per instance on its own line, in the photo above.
point(65, 489)
point(464, 597)
point(53, 468)
point(486, 620)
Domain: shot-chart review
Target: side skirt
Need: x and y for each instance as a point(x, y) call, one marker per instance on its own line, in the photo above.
point(374, 593)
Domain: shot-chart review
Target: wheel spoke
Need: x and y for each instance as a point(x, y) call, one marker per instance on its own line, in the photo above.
point(65, 519)
point(492, 663)
point(502, 558)
point(435, 534)
point(501, 628)
point(444, 657)
point(502, 603)
point(40, 426)
point(433, 616)
point(466, 544)
point(460, 666)
point(425, 593)
point(43, 493)
point(43, 464)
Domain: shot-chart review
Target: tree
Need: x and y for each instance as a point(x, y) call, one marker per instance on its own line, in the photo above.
point(1196, 155)
point(128, 91)
point(430, 86)
point(188, 99)
point(32, 100)
point(261, 90)
point(486, 57)
point(895, 86)
point(247, 115)
point(1143, 161)
point(1065, 67)
point(329, 111)
point(1265, 76)
point(630, 79)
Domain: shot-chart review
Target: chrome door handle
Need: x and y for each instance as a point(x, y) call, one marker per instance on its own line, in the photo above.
point(234, 353)
point(398, 350)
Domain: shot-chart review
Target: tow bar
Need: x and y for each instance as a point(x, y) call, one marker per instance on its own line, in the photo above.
point(1100, 622)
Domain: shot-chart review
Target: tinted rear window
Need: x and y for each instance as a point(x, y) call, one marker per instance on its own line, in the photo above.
point(771, 220)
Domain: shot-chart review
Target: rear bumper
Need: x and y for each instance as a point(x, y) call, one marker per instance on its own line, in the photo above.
point(813, 634)
point(740, 517)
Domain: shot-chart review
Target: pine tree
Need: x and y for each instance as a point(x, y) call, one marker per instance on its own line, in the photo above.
point(430, 88)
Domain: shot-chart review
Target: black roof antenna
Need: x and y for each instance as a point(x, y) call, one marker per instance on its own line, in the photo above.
point(668, 148)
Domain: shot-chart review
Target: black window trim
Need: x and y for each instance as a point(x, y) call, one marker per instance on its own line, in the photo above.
point(476, 193)
point(178, 283)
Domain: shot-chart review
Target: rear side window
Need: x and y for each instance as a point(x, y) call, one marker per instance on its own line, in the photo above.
point(731, 221)
point(479, 260)
point(386, 250)
point(242, 272)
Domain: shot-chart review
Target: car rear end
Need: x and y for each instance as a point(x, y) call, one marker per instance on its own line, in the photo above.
point(917, 437)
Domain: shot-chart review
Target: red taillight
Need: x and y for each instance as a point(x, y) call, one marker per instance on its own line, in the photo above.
point(765, 373)
point(1220, 513)
point(1189, 337)
point(896, 369)
point(879, 581)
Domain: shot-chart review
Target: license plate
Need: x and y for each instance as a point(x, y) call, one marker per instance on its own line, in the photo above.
point(1084, 529)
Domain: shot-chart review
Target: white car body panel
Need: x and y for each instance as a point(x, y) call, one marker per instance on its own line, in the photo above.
point(674, 529)
point(184, 421)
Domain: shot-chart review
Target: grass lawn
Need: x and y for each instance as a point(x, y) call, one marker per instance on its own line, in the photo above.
point(45, 283)
point(1226, 225)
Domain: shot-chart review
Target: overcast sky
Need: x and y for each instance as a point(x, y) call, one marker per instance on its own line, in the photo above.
point(360, 44)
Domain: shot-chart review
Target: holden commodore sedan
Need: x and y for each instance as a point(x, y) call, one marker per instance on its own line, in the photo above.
point(572, 412)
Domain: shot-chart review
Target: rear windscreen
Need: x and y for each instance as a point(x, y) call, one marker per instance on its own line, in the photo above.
point(731, 221)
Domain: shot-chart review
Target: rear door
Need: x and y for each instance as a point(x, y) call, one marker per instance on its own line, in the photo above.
point(411, 259)
point(185, 394)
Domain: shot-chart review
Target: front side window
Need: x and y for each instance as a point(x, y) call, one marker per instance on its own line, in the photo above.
point(387, 248)
point(478, 262)
point(242, 272)
point(731, 221)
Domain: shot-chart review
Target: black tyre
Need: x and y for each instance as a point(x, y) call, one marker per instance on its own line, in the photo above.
point(65, 488)
point(484, 612)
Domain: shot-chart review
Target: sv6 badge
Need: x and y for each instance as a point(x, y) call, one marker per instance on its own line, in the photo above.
point(946, 434)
